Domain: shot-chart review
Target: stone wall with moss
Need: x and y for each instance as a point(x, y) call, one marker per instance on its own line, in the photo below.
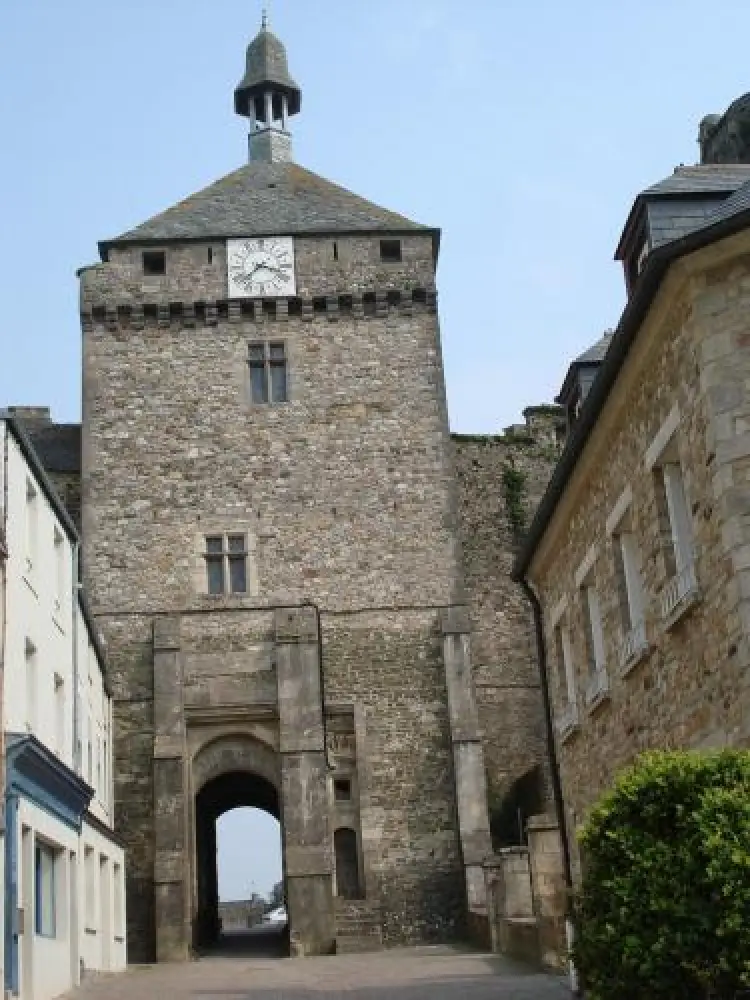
point(501, 479)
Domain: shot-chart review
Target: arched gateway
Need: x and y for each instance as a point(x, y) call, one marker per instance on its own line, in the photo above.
point(212, 752)
point(231, 771)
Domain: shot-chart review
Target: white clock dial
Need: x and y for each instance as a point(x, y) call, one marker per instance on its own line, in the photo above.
point(262, 267)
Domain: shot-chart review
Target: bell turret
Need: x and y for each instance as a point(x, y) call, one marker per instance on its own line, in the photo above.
point(268, 96)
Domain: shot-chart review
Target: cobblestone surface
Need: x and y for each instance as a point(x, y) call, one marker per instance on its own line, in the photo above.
point(433, 973)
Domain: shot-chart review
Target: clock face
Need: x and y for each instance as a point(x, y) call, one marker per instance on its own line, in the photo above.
point(261, 267)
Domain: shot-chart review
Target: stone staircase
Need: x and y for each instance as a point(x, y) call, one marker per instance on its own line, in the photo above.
point(358, 926)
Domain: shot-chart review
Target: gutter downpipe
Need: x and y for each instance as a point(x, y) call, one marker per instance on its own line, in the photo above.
point(557, 794)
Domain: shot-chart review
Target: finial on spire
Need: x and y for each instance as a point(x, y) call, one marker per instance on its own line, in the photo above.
point(264, 19)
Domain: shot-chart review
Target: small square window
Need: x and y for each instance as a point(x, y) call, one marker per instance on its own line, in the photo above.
point(390, 251)
point(154, 262)
point(342, 790)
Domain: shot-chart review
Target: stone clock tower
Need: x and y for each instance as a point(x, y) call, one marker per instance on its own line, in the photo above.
point(270, 535)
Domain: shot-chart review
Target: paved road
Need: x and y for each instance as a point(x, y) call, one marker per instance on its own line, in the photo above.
point(437, 973)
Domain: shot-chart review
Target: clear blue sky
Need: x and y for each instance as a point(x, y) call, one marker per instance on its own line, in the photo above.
point(523, 128)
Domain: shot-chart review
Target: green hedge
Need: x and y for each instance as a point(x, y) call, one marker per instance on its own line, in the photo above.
point(664, 909)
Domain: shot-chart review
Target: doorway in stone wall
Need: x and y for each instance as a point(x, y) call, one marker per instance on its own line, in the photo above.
point(237, 849)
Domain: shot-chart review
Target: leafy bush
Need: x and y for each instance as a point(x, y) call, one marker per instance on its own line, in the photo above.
point(664, 910)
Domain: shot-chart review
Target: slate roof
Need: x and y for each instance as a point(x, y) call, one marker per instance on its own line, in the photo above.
point(596, 352)
point(266, 64)
point(702, 179)
point(737, 202)
point(58, 446)
point(682, 202)
point(262, 199)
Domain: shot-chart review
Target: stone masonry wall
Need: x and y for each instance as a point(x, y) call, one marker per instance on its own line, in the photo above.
point(689, 687)
point(504, 660)
point(346, 496)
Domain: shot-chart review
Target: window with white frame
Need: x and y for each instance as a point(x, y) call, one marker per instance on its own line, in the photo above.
point(59, 685)
point(117, 885)
point(45, 902)
point(226, 564)
point(60, 583)
point(674, 515)
point(31, 517)
point(564, 664)
point(592, 620)
point(677, 535)
point(89, 874)
point(631, 601)
point(32, 695)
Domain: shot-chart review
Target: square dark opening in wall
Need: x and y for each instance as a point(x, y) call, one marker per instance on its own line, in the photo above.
point(390, 251)
point(154, 262)
point(342, 789)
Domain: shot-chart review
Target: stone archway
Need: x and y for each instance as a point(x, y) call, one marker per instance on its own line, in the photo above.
point(232, 771)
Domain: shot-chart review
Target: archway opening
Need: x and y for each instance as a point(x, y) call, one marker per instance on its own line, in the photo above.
point(238, 853)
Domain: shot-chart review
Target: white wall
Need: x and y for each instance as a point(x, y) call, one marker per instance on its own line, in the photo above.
point(102, 901)
point(95, 726)
point(38, 675)
point(41, 628)
point(46, 964)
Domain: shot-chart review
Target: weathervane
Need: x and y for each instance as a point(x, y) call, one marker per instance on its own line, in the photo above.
point(264, 19)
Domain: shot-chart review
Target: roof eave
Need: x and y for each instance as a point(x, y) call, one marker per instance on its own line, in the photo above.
point(415, 229)
point(649, 281)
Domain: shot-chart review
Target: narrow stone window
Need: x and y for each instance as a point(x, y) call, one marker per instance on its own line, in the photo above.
point(226, 564)
point(342, 789)
point(210, 255)
point(215, 564)
point(154, 262)
point(390, 251)
point(335, 250)
point(268, 372)
point(347, 864)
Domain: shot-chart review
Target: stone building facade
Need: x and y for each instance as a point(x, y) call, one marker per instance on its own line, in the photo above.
point(273, 540)
point(500, 481)
point(639, 550)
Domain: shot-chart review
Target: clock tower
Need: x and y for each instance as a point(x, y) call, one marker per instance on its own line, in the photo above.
point(270, 533)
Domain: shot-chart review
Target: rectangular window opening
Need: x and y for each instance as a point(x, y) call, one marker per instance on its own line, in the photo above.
point(226, 564)
point(593, 632)
point(390, 251)
point(335, 250)
point(45, 860)
point(31, 685)
point(154, 262)
point(59, 570)
point(89, 874)
point(268, 373)
point(342, 789)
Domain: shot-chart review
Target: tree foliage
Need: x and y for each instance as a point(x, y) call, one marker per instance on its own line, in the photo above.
point(664, 910)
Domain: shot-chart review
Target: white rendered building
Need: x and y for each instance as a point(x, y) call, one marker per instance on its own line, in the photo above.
point(63, 871)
